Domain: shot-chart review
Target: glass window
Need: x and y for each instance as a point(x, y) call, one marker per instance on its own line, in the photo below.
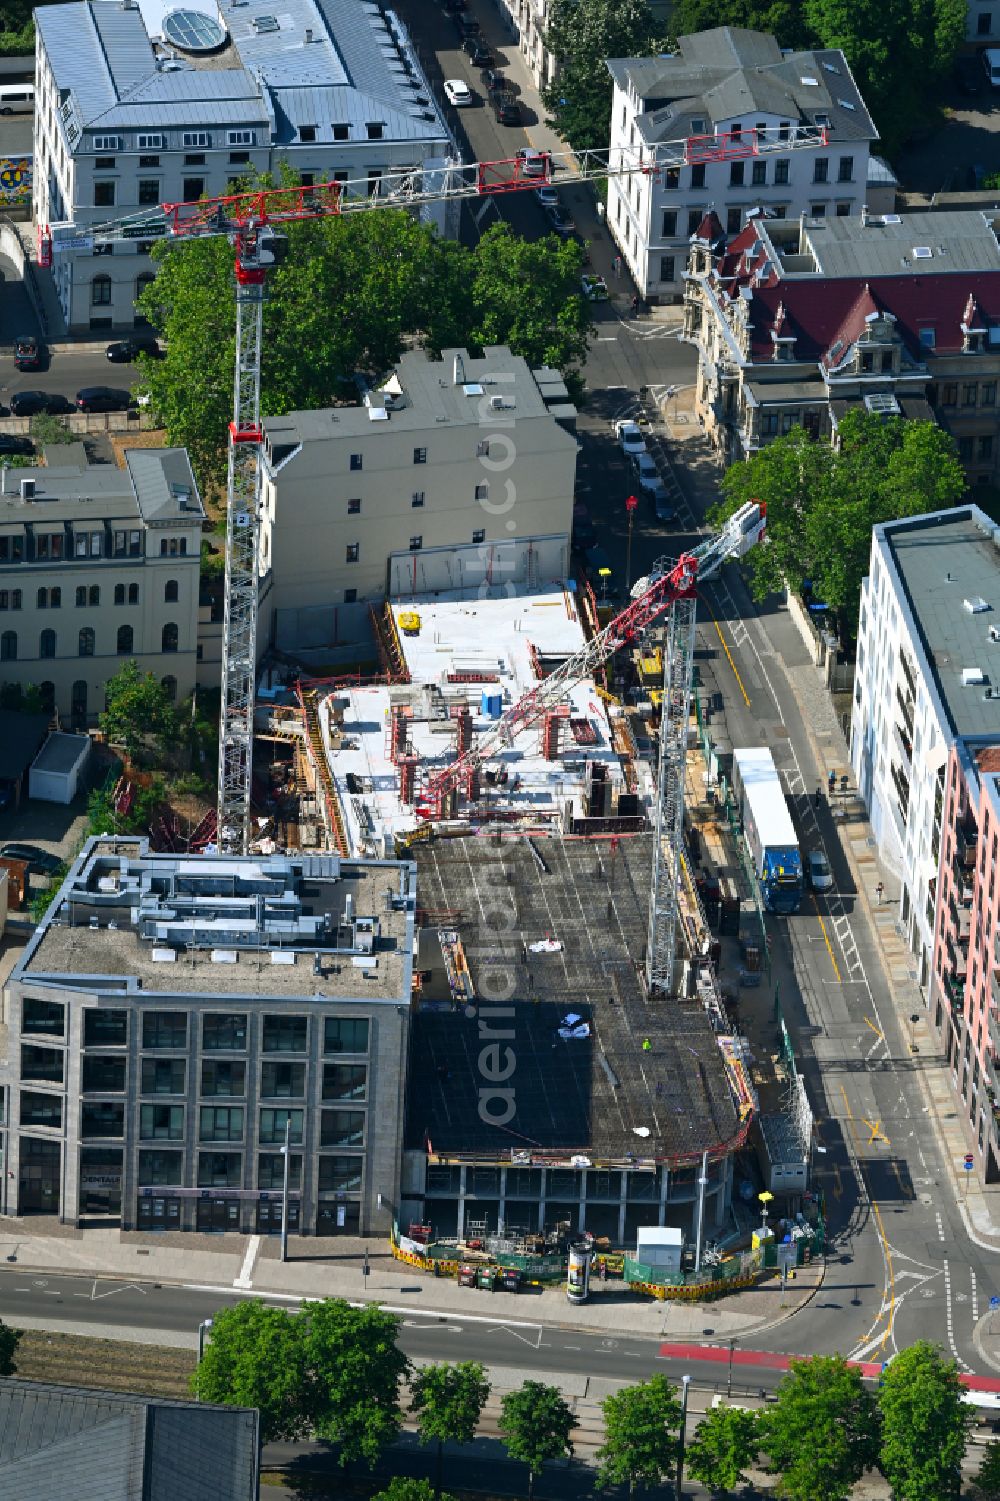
point(224, 1032)
point(126, 636)
point(283, 1081)
point(161, 1122)
point(697, 176)
point(420, 456)
point(354, 508)
point(104, 1074)
point(418, 499)
point(780, 173)
point(353, 552)
point(272, 1125)
point(40, 1109)
point(47, 644)
point(133, 594)
point(119, 594)
point(102, 1118)
point(416, 543)
point(988, 394)
point(969, 392)
point(821, 169)
point(149, 190)
point(668, 227)
point(342, 1128)
point(160, 1167)
point(163, 1075)
point(222, 1078)
point(357, 460)
point(104, 197)
point(345, 1081)
point(666, 268)
point(285, 1034)
point(478, 536)
point(164, 1029)
point(759, 174)
point(220, 1169)
point(220, 1123)
point(105, 1027)
point(694, 219)
point(340, 1174)
point(86, 643)
point(270, 1170)
point(168, 637)
point(736, 174)
point(41, 1063)
point(845, 169)
point(345, 1034)
point(8, 646)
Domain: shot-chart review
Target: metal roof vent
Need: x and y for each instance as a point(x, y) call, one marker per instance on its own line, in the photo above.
point(976, 605)
point(972, 677)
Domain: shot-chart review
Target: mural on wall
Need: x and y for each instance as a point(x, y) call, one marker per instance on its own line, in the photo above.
point(15, 179)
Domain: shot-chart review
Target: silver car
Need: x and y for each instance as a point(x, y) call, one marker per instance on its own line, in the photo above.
point(820, 874)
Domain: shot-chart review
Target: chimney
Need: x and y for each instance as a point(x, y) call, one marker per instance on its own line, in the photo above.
point(309, 35)
point(458, 374)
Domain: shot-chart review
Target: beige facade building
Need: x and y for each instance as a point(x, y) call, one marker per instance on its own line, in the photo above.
point(457, 475)
point(796, 323)
point(99, 565)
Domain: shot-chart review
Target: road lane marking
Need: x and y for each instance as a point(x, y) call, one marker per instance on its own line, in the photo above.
point(879, 1034)
point(892, 1276)
point(877, 1134)
point(245, 1279)
point(826, 940)
point(729, 655)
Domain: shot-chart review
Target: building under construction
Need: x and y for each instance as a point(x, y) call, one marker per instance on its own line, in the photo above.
point(544, 1087)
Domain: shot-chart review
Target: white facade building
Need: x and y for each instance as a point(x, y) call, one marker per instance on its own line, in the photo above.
point(458, 474)
point(924, 648)
point(730, 82)
point(982, 21)
point(138, 106)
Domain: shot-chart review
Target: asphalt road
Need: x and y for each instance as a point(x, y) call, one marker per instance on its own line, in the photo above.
point(67, 373)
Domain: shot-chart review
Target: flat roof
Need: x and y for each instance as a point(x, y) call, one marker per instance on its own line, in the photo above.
point(958, 240)
point(649, 1083)
point(61, 752)
point(212, 925)
point(465, 648)
point(942, 560)
point(157, 484)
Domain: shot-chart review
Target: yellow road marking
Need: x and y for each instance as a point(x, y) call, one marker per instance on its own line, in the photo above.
point(870, 1023)
point(880, 1230)
point(729, 655)
point(826, 940)
point(877, 1134)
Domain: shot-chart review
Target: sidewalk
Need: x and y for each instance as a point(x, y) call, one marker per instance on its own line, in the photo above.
point(326, 1268)
point(978, 1205)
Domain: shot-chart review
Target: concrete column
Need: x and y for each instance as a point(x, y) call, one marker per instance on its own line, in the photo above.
point(502, 1208)
point(724, 1193)
point(460, 1228)
point(581, 1218)
point(622, 1201)
point(541, 1200)
point(664, 1193)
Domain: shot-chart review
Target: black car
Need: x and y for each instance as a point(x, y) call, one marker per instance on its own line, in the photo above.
point(493, 81)
point(30, 403)
point(38, 860)
point(13, 443)
point(28, 353)
point(467, 25)
point(506, 109)
point(478, 51)
point(102, 399)
point(968, 76)
point(125, 351)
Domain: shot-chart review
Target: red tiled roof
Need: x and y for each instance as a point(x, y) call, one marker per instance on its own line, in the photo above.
point(710, 229)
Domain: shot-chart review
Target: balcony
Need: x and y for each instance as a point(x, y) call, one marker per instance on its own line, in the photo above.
point(958, 960)
point(966, 845)
point(904, 743)
point(909, 673)
point(901, 782)
point(954, 989)
point(905, 702)
point(993, 1027)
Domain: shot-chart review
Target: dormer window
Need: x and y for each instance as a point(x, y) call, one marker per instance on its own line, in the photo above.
point(974, 342)
point(928, 338)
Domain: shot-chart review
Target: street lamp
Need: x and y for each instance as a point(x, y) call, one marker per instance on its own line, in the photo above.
point(284, 1187)
point(604, 575)
point(205, 1324)
point(679, 1488)
point(729, 1383)
point(765, 1199)
point(631, 506)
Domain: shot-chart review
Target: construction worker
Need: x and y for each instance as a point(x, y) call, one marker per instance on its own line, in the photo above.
point(647, 1046)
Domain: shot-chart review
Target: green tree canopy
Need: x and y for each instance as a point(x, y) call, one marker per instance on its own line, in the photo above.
point(348, 296)
point(821, 1433)
point(641, 1432)
point(9, 1341)
point(535, 1425)
point(925, 1424)
point(137, 708)
point(254, 1358)
point(724, 1447)
point(988, 1477)
point(779, 18)
point(355, 1369)
point(822, 503)
point(582, 35)
point(406, 1488)
point(448, 1401)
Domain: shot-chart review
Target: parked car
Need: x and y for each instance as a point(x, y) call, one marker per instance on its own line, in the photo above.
point(968, 76)
point(662, 503)
point(30, 403)
point(125, 351)
point(629, 435)
point(991, 66)
point(534, 163)
point(644, 468)
point(506, 109)
point(13, 443)
point(102, 399)
point(494, 82)
point(478, 51)
point(584, 531)
point(28, 353)
point(820, 874)
point(43, 862)
point(594, 288)
point(547, 196)
point(457, 93)
point(561, 221)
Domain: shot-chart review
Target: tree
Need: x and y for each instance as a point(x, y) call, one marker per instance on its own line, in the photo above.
point(448, 1401)
point(779, 18)
point(582, 35)
point(641, 1427)
point(822, 503)
point(535, 1425)
point(137, 707)
point(254, 1358)
point(47, 428)
point(406, 1488)
point(9, 1341)
point(988, 1478)
point(724, 1446)
point(354, 1373)
point(104, 818)
point(821, 1433)
point(925, 1424)
point(526, 293)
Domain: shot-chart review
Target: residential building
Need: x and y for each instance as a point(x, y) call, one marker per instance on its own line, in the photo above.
point(798, 323)
point(106, 1444)
point(458, 474)
point(138, 105)
point(982, 22)
point(172, 1016)
point(530, 18)
point(99, 566)
point(720, 89)
point(925, 749)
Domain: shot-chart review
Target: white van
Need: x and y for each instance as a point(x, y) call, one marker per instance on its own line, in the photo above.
point(991, 66)
point(16, 96)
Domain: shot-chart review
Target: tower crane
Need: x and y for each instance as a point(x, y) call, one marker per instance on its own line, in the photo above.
point(252, 221)
point(671, 586)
